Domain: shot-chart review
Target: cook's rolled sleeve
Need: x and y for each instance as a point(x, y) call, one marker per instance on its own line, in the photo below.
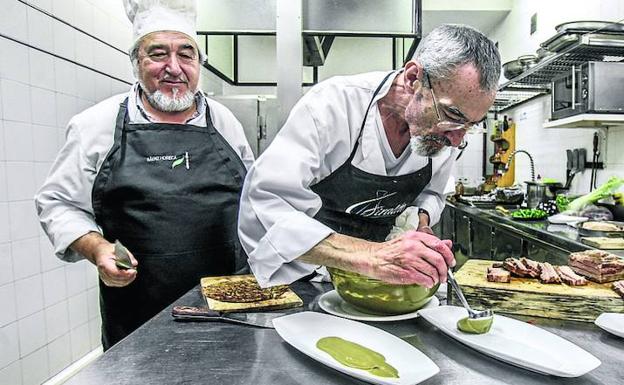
point(276, 223)
point(64, 201)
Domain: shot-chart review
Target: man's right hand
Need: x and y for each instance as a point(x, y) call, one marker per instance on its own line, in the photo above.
point(102, 254)
point(110, 273)
point(414, 257)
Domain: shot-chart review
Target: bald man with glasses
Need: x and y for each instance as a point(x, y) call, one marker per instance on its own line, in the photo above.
point(356, 154)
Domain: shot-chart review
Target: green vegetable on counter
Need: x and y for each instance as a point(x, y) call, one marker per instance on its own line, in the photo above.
point(475, 326)
point(562, 202)
point(605, 190)
point(529, 214)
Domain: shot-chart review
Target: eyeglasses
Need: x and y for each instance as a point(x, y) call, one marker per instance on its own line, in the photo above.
point(448, 124)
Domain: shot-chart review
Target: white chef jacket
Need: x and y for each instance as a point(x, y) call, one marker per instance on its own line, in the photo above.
point(276, 218)
point(64, 201)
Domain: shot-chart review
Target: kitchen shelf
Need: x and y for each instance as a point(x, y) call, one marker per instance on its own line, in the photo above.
point(587, 121)
point(536, 81)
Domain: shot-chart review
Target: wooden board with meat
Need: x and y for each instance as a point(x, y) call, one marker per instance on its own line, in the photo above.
point(242, 293)
point(529, 297)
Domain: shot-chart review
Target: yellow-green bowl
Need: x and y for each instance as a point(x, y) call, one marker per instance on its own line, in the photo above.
point(376, 297)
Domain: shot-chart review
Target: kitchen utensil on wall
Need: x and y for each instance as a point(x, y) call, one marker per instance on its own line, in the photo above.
point(595, 156)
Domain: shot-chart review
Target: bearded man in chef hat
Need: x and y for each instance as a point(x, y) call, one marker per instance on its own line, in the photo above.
point(159, 168)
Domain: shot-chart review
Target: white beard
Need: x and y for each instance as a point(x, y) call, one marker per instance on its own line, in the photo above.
point(164, 103)
point(428, 145)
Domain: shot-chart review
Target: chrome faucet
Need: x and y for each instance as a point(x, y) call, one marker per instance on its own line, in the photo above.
point(530, 159)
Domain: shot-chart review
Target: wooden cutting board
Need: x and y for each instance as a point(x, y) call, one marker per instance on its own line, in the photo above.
point(287, 300)
point(529, 297)
point(604, 243)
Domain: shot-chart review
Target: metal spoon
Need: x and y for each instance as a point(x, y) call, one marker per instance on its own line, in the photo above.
point(473, 314)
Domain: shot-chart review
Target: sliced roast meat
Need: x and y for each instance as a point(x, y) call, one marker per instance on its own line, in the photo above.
point(597, 265)
point(516, 267)
point(548, 275)
point(569, 277)
point(618, 287)
point(497, 274)
point(532, 266)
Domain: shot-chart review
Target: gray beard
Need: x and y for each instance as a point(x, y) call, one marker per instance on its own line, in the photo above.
point(164, 103)
point(429, 145)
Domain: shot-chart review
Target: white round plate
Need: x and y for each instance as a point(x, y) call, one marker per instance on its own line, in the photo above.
point(333, 304)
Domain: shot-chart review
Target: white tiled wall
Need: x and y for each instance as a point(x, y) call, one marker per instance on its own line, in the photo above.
point(547, 146)
point(49, 313)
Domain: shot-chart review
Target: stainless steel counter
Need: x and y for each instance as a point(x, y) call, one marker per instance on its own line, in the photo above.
point(164, 351)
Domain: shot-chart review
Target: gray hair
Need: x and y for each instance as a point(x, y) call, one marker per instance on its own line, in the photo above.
point(451, 45)
point(134, 57)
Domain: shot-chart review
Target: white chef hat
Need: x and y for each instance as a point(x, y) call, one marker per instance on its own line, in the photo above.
point(149, 16)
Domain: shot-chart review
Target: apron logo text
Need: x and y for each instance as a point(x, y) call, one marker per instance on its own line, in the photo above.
point(177, 159)
point(373, 208)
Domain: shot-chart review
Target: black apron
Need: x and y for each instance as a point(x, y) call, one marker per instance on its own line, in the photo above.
point(170, 194)
point(364, 205)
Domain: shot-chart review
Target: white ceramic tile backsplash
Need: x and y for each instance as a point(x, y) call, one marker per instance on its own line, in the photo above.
point(18, 137)
point(9, 340)
point(45, 147)
point(5, 231)
point(55, 286)
point(15, 66)
point(35, 367)
point(13, 20)
point(57, 320)
point(43, 106)
point(80, 341)
point(28, 295)
point(84, 50)
point(59, 353)
point(65, 109)
point(7, 301)
point(75, 274)
point(78, 310)
point(32, 333)
point(26, 259)
point(40, 30)
point(23, 224)
point(3, 181)
point(41, 69)
point(6, 264)
point(65, 10)
point(65, 73)
point(20, 180)
point(49, 308)
point(15, 101)
point(12, 374)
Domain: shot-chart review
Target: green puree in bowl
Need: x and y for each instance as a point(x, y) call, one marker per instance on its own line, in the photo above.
point(357, 356)
point(475, 326)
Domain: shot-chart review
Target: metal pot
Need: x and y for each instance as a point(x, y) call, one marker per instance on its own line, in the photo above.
point(543, 53)
point(512, 68)
point(535, 194)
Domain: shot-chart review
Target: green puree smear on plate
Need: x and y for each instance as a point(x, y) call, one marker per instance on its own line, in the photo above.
point(475, 326)
point(357, 356)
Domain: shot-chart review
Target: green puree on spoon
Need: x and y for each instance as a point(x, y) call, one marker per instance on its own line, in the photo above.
point(357, 356)
point(475, 326)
